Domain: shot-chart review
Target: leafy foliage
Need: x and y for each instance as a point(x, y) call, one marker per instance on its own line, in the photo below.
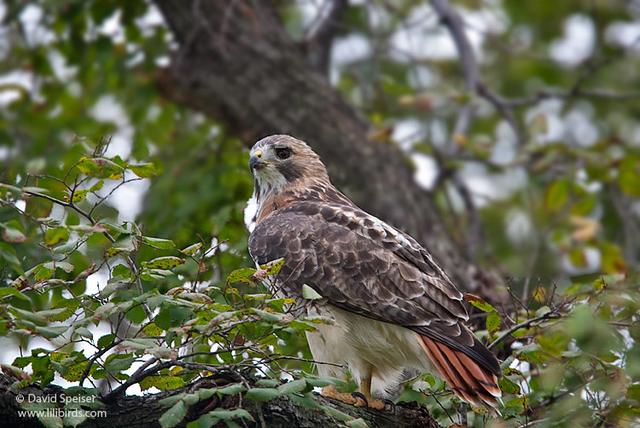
point(165, 298)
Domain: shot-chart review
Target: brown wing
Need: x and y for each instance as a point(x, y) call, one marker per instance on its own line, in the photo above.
point(363, 265)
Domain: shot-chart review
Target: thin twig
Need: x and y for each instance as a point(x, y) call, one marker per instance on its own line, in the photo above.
point(547, 316)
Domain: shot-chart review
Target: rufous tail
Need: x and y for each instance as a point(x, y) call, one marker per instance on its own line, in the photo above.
point(467, 378)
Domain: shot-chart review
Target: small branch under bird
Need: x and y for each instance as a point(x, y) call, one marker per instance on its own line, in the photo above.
point(394, 310)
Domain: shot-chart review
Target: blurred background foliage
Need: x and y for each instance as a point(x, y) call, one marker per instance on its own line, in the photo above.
point(550, 168)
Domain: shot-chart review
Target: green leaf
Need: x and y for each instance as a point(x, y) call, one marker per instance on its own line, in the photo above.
point(557, 195)
point(293, 386)
point(192, 249)
point(262, 394)
point(56, 235)
point(513, 407)
point(8, 254)
point(273, 267)
point(99, 184)
point(319, 381)
point(309, 293)
point(174, 415)
point(106, 340)
point(116, 363)
point(224, 414)
point(163, 383)
point(127, 244)
point(65, 266)
point(11, 291)
point(144, 170)
point(493, 322)
point(100, 168)
point(41, 273)
point(232, 389)
point(507, 386)
point(479, 303)
point(628, 176)
point(166, 262)
point(51, 331)
point(268, 383)
point(159, 243)
point(242, 275)
point(80, 195)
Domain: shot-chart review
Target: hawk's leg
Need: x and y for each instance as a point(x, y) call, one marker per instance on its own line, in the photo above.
point(331, 392)
point(365, 390)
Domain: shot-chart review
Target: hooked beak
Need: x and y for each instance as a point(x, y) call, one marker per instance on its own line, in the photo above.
point(255, 160)
point(255, 163)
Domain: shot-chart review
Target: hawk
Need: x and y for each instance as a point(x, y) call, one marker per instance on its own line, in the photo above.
point(393, 308)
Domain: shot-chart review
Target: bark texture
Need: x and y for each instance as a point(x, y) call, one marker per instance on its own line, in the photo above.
point(237, 64)
point(144, 411)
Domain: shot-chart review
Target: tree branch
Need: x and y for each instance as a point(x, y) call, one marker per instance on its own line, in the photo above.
point(505, 334)
point(282, 412)
point(254, 78)
point(473, 82)
point(320, 37)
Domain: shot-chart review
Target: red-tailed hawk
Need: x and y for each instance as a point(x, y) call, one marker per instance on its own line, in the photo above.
point(394, 309)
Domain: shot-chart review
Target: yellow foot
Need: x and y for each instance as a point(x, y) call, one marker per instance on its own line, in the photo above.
point(369, 402)
point(330, 391)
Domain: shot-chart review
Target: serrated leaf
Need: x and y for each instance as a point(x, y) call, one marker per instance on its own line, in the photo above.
point(262, 394)
point(232, 389)
point(124, 245)
point(268, 316)
point(119, 362)
point(224, 414)
point(293, 387)
point(192, 249)
point(106, 340)
point(267, 383)
point(159, 243)
point(144, 170)
point(80, 195)
point(56, 235)
point(163, 383)
point(242, 275)
point(51, 331)
point(100, 168)
point(99, 184)
point(65, 266)
point(174, 415)
point(166, 262)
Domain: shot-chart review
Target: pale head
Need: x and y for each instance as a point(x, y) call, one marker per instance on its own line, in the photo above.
point(280, 161)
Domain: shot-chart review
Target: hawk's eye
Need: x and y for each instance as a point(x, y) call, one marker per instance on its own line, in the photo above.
point(283, 152)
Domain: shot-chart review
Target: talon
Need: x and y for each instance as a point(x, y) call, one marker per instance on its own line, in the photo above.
point(331, 392)
point(360, 396)
point(391, 404)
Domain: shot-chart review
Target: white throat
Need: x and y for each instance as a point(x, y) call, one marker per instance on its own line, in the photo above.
point(267, 182)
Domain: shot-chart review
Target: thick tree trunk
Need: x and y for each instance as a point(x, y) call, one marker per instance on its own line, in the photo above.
point(144, 411)
point(237, 64)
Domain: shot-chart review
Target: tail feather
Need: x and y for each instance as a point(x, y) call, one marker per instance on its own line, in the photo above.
point(467, 378)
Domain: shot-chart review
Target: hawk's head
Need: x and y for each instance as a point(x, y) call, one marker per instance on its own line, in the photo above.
point(279, 161)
